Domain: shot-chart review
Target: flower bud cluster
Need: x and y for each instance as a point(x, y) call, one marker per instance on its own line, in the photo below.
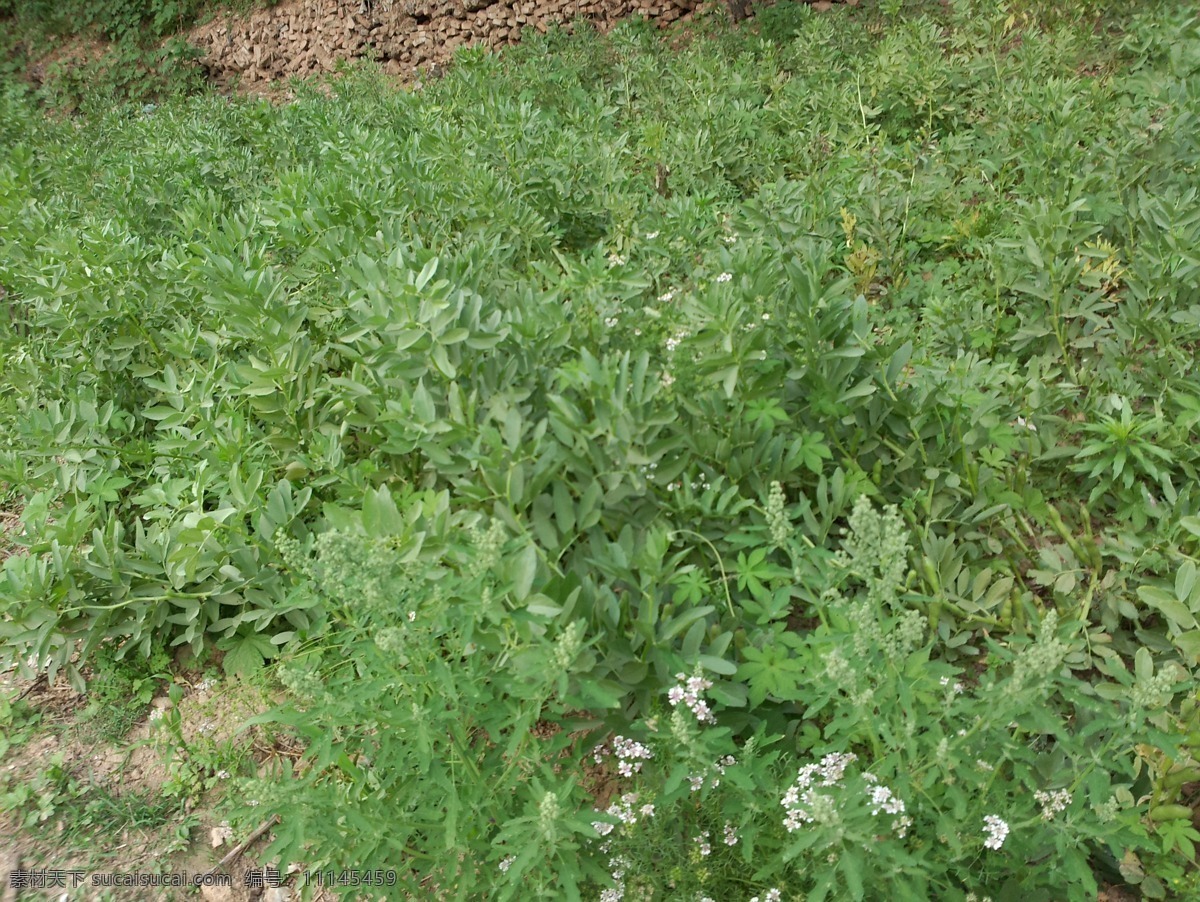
point(566, 649)
point(487, 548)
point(777, 518)
point(876, 550)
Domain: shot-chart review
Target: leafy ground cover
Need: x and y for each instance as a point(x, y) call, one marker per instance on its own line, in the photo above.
point(761, 467)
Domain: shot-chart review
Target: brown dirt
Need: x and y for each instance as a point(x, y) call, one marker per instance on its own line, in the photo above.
point(10, 525)
point(139, 766)
point(77, 51)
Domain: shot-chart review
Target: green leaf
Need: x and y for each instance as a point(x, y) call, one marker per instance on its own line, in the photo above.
point(1167, 604)
point(524, 567)
point(1143, 665)
point(717, 665)
point(899, 360)
point(245, 654)
point(381, 517)
point(442, 362)
point(423, 407)
point(564, 509)
point(1185, 582)
point(680, 622)
point(1189, 645)
point(427, 272)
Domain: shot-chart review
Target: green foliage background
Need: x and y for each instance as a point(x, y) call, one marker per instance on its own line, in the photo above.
point(947, 261)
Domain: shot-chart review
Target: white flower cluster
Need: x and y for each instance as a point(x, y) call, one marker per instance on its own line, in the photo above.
point(772, 895)
point(629, 754)
point(674, 340)
point(956, 688)
point(506, 863)
point(689, 691)
point(996, 831)
point(617, 868)
point(803, 803)
point(667, 296)
point(883, 800)
point(731, 837)
point(831, 769)
point(725, 277)
point(703, 845)
point(696, 484)
point(615, 259)
point(626, 810)
point(1053, 803)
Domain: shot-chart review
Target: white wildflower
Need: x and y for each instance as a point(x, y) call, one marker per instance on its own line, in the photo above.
point(996, 831)
point(689, 694)
point(1053, 803)
point(882, 799)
